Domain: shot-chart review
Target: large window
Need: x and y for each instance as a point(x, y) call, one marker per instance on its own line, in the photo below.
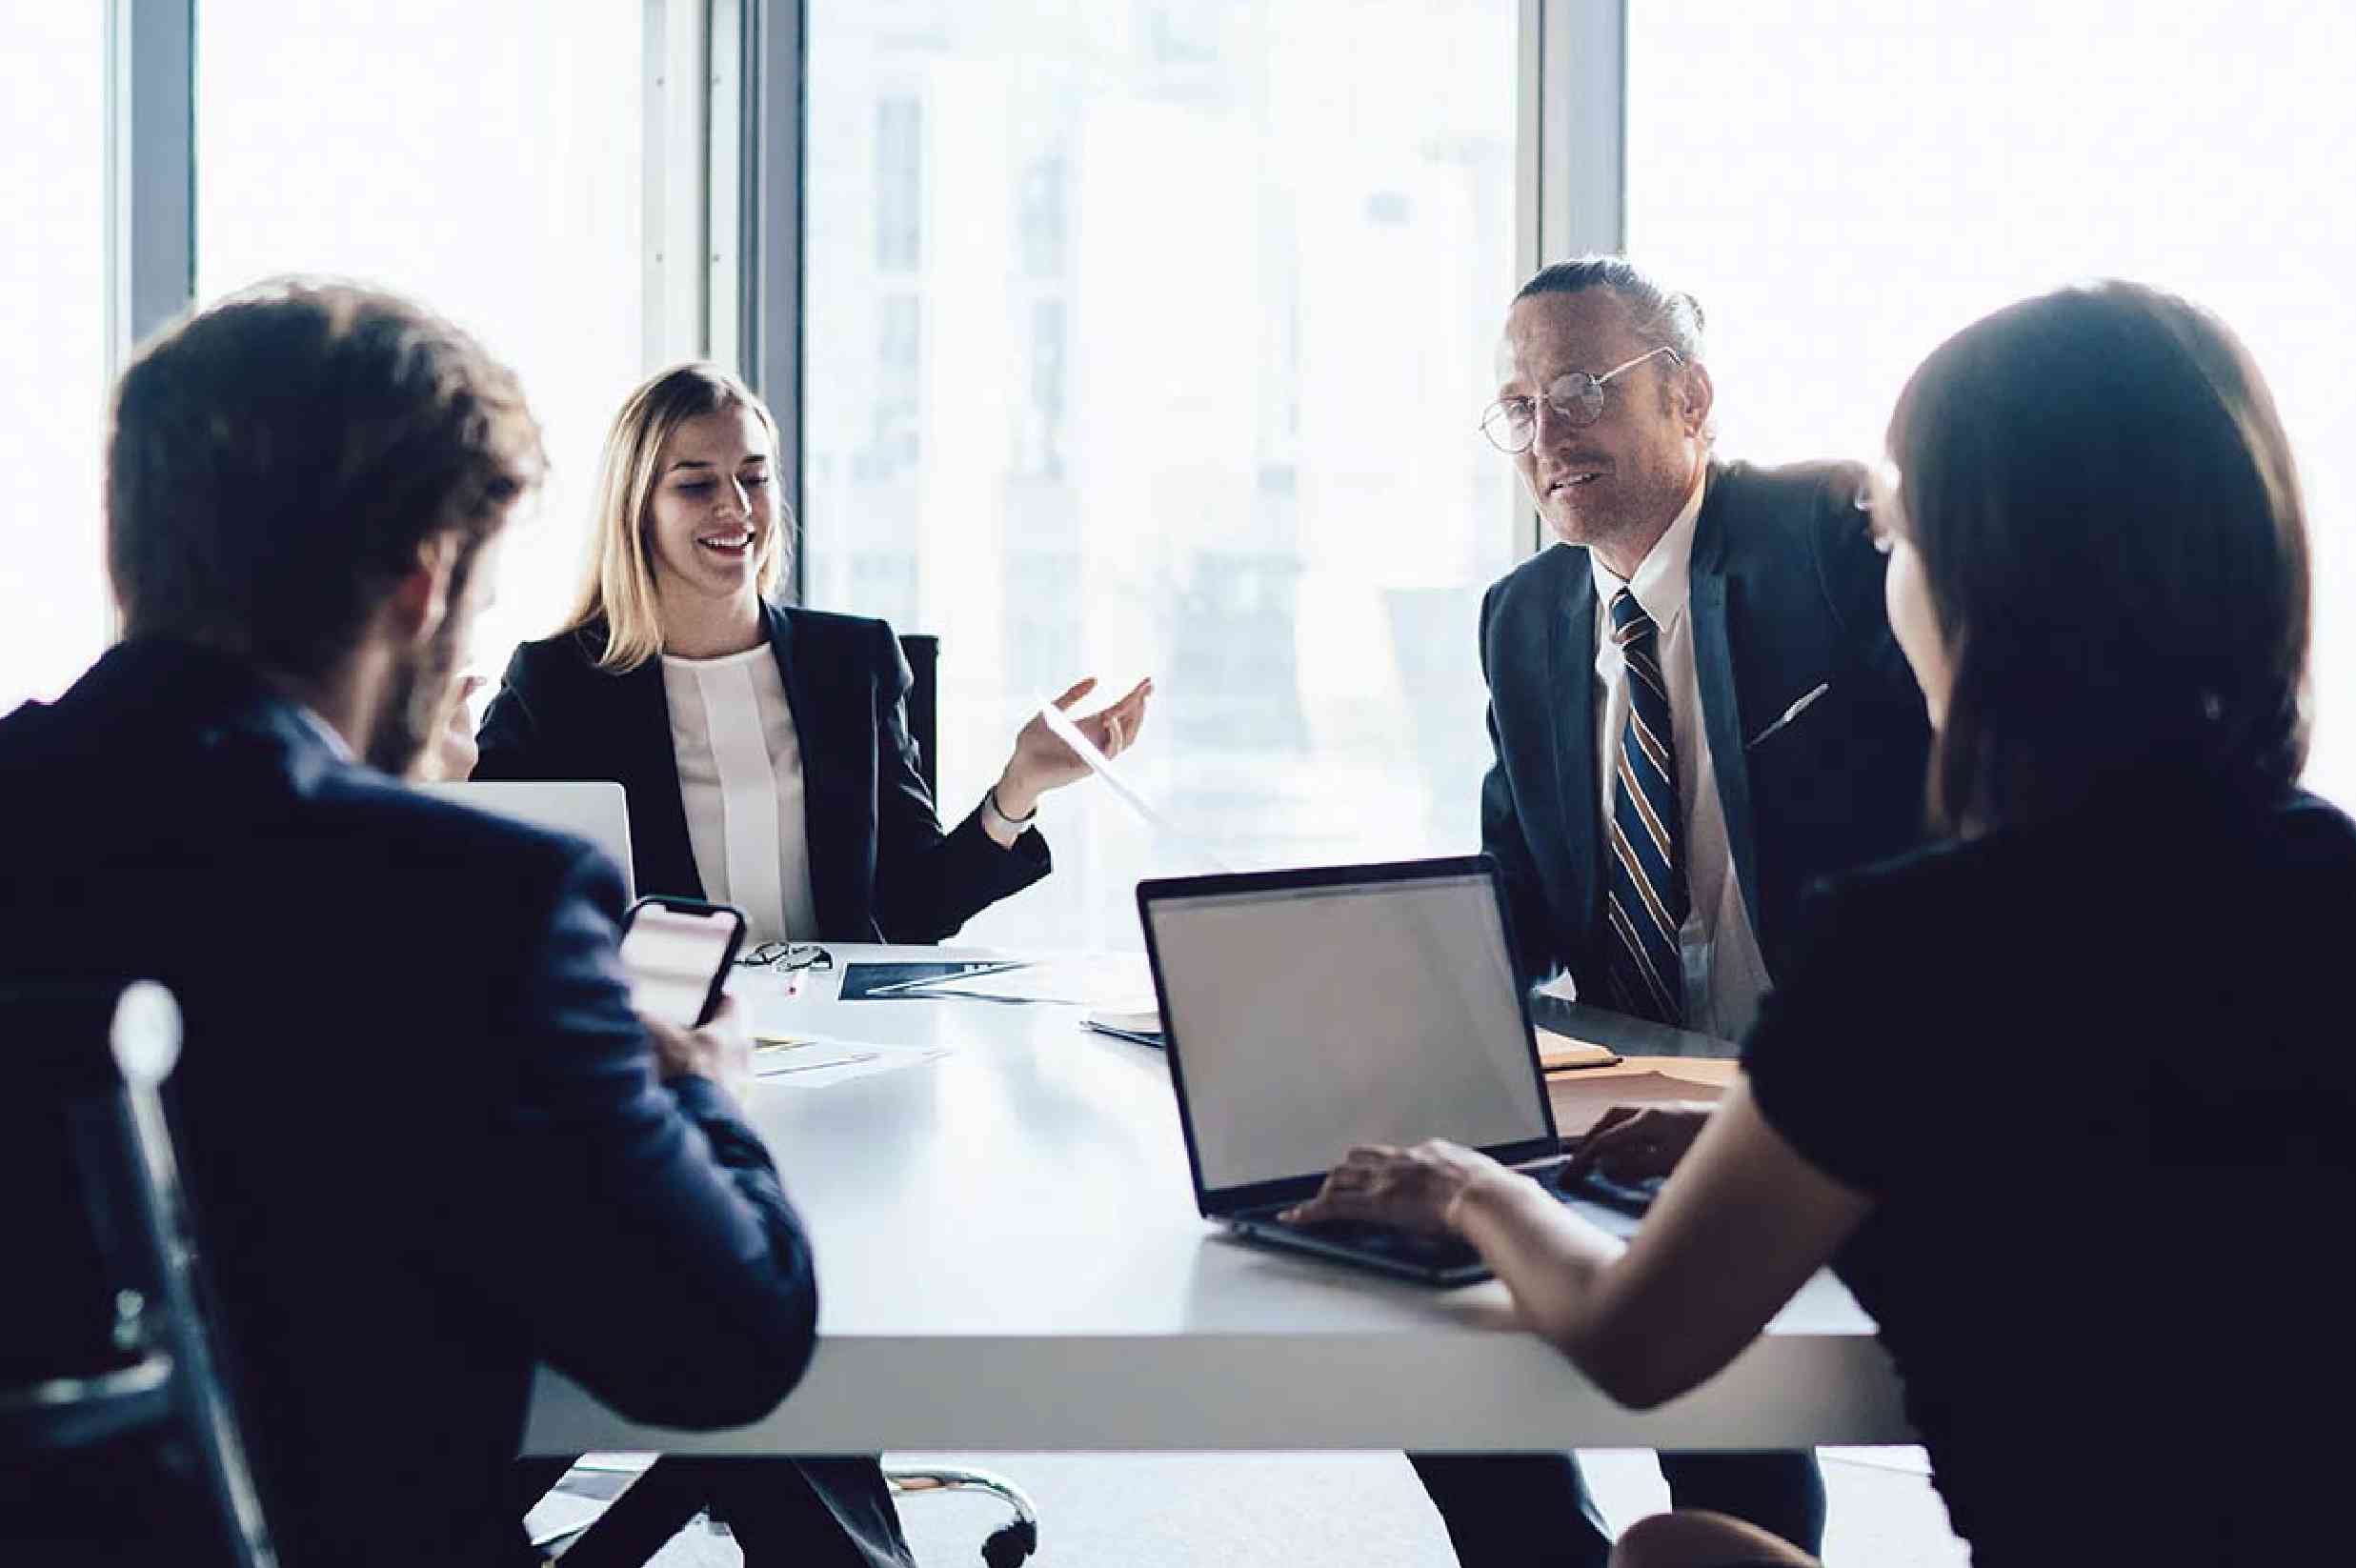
point(1150, 337)
point(485, 159)
point(55, 604)
point(1843, 183)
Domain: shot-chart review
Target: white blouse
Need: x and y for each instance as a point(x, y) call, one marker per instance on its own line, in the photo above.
point(741, 778)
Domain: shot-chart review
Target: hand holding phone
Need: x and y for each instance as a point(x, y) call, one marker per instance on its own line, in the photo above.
point(676, 953)
point(720, 1051)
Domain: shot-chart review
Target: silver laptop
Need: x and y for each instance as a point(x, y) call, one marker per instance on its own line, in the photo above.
point(597, 810)
point(1308, 1011)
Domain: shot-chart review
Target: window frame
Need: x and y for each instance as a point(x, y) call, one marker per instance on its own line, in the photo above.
point(150, 181)
point(1569, 178)
point(704, 120)
point(726, 102)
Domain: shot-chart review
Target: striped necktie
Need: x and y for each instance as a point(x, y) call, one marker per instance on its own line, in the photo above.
point(1646, 900)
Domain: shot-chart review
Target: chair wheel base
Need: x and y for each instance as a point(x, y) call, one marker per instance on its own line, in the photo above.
point(1009, 1545)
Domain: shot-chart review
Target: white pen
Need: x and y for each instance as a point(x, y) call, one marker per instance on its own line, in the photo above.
point(1789, 714)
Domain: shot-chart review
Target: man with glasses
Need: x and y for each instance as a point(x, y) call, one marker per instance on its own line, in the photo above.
point(1697, 707)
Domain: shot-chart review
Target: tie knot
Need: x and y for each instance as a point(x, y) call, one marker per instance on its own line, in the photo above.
point(1629, 622)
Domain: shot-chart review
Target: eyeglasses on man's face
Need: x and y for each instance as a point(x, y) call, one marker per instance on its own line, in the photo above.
point(1575, 399)
point(788, 957)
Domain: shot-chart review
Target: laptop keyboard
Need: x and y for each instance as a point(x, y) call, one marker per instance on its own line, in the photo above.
point(1630, 1197)
point(1446, 1252)
point(1439, 1252)
point(1419, 1252)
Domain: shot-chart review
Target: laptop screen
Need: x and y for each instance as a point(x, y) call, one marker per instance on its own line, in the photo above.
point(595, 810)
point(1303, 1019)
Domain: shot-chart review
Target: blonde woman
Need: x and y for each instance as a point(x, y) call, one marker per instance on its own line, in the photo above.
point(765, 748)
point(766, 755)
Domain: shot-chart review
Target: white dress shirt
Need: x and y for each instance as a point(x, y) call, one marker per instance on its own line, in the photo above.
point(741, 778)
point(326, 732)
point(1725, 974)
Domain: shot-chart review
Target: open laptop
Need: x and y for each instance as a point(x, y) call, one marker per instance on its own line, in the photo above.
point(597, 810)
point(1308, 1011)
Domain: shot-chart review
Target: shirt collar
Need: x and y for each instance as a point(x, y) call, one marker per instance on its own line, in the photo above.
point(326, 732)
point(1663, 578)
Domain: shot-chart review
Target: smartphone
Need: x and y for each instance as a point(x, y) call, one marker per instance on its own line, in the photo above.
point(675, 953)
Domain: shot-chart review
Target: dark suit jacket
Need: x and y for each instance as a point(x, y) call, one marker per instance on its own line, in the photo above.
point(1786, 595)
point(422, 1127)
point(880, 867)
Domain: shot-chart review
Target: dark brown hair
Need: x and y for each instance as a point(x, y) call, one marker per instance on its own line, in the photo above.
point(2110, 523)
point(277, 461)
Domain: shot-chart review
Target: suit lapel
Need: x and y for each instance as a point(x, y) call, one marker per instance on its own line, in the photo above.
point(1713, 658)
point(657, 812)
point(838, 876)
point(1570, 675)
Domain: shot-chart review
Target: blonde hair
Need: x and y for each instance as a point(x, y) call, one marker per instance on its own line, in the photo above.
point(619, 590)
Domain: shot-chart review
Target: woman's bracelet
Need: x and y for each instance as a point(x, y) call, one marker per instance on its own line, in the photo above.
point(990, 798)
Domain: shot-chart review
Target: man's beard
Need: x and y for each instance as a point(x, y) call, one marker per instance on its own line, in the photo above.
point(407, 718)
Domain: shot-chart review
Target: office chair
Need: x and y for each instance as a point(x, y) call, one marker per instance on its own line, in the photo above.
point(648, 1505)
point(1004, 1547)
point(922, 650)
point(117, 1441)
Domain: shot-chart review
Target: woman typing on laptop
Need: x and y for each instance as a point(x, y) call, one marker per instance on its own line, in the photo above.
point(766, 755)
point(2061, 1097)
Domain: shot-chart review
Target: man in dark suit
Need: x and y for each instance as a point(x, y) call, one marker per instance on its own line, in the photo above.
point(428, 1142)
point(1697, 707)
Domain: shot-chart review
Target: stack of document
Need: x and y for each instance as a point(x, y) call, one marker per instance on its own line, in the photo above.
point(1556, 1053)
point(1143, 1027)
point(810, 1062)
point(1565, 1054)
point(912, 982)
point(1112, 981)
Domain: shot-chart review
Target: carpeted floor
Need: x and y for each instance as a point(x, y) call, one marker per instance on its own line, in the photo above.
point(1333, 1511)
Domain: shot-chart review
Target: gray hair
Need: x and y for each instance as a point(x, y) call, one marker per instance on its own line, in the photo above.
point(1665, 318)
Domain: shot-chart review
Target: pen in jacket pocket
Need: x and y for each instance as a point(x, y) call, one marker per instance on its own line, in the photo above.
point(1789, 714)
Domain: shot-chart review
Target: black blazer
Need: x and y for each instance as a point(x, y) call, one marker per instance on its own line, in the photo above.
point(1786, 595)
point(420, 1125)
point(880, 867)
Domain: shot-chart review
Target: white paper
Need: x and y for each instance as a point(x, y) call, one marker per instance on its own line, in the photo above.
point(805, 1061)
point(560, 1513)
point(1071, 736)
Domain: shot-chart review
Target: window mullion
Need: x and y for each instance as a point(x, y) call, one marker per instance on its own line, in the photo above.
point(151, 172)
point(677, 210)
point(1571, 152)
point(766, 195)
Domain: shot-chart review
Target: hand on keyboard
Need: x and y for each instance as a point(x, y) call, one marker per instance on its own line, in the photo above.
point(1403, 1189)
point(1637, 1143)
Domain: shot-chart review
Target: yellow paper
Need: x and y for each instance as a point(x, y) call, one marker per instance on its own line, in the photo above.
point(1562, 1053)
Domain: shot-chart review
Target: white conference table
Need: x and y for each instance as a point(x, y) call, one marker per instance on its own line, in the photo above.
point(1009, 1257)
